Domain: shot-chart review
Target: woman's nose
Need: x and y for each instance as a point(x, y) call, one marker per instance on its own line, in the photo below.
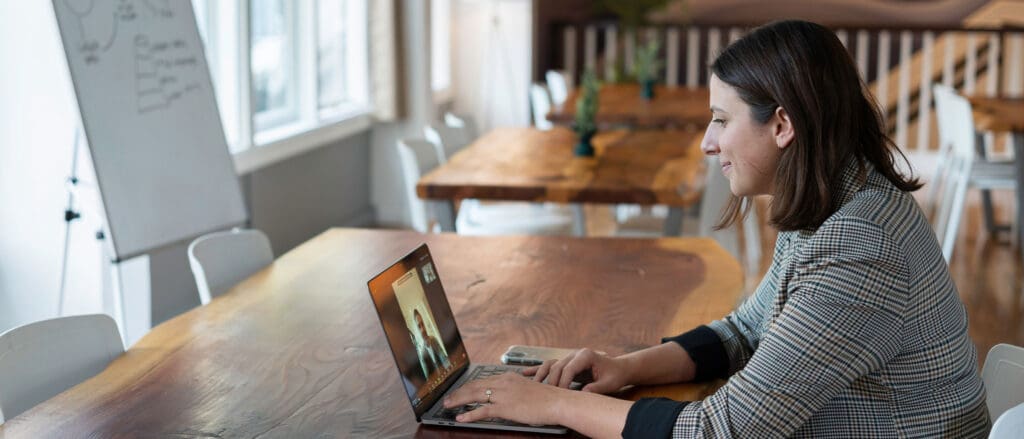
point(709, 144)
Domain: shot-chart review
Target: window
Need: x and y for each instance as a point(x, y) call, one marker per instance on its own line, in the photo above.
point(273, 59)
point(440, 48)
point(340, 46)
point(331, 75)
point(282, 69)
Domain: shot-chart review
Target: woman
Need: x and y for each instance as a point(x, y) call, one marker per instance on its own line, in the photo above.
point(855, 331)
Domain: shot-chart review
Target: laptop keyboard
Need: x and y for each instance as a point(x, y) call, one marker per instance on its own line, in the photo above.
point(449, 414)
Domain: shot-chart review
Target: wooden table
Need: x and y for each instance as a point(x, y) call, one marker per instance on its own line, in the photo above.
point(1005, 114)
point(525, 164)
point(297, 350)
point(621, 104)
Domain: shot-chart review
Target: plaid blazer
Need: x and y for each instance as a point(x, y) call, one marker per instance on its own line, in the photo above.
point(856, 331)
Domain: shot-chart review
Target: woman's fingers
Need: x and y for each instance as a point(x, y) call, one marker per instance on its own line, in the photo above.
point(473, 391)
point(581, 362)
point(531, 371)
point(578, 364)
point(482, 412)
point(543, 370)
point(557, 369)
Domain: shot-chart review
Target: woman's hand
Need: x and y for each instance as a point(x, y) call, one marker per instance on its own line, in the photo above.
point(509, 396)
point(609, 374)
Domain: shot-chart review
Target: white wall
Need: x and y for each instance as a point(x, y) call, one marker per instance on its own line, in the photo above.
point(492, 61)
point(37, 120)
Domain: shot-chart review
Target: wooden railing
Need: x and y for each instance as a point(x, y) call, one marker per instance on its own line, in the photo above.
point(900, 65)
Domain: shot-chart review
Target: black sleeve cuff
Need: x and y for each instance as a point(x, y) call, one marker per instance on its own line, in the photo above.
point(652, 418)
point(706, 350)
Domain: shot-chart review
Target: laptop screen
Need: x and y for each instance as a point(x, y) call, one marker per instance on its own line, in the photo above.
point(419, 326)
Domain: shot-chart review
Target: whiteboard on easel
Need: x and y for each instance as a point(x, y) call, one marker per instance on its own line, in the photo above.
point(150, 117)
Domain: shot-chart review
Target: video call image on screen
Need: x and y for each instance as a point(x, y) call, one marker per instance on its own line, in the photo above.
point(412, 300)
point(419, 325)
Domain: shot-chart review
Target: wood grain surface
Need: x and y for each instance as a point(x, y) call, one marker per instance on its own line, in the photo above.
point(526, 164)
point(297, 350)
point(999, 114)
point(620, 104)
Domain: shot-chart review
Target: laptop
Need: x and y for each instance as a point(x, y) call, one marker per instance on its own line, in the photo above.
point(428, 350)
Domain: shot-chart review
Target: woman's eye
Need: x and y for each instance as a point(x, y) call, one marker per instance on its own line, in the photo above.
point(718, 121)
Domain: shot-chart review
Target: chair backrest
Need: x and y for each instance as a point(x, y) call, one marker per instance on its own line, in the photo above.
point(559, 84)
point(448, 140)
point(41, 359)
point(956, 137)
point(221, 260)
point(417, 158)
point(540, 103)
point(464, 122)
point(1003, 374)
point(1010, 424)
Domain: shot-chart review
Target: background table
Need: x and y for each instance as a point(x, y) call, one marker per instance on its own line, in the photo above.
point(297, 350)
point(621, 104)
point(1006, 114)
point(525, 164)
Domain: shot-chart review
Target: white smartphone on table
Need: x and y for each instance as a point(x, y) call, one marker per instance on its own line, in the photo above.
point(533, 355)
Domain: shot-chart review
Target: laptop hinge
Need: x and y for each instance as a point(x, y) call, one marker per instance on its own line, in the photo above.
point(442, 389)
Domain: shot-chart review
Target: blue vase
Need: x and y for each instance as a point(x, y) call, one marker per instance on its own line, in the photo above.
point(583, 146)
point(647, 89)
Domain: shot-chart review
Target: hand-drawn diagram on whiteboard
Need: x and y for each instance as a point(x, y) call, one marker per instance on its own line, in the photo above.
point(165, 69)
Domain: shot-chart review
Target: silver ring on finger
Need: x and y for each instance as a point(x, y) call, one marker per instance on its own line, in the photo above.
point(488, 392)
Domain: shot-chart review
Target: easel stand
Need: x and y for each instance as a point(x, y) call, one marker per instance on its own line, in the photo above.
point(112, 281)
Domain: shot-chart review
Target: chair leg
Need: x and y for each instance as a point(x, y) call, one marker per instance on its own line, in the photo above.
point(1019, 161)
point(579, 220)
point(674, 221)
point(988, 212)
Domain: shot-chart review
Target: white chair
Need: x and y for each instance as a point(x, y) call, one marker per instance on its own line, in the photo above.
point(1010, 424)
point(42, 359)
point(465, 123)
point(221, 260)
point(448, 140)
point(540, 103)
point(559, 84)
point(959, 169)
point(417, 158)
point(474, 218)
point(1003, 374)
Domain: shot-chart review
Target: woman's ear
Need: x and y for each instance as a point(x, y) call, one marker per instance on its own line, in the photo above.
point(783, 132)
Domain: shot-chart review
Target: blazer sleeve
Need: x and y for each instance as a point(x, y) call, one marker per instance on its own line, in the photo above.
point(723, 347)
point(846, 300)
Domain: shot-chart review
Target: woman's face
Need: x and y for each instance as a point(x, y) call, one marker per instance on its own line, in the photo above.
point(747, 150)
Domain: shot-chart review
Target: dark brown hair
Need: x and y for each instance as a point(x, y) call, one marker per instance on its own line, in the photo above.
point(803, 68)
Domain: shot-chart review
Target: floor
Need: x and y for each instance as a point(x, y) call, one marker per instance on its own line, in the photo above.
point(987, 270)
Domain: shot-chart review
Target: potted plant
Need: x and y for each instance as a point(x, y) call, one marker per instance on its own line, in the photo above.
point(634, 13)
point(586, 111)
point(646, 66)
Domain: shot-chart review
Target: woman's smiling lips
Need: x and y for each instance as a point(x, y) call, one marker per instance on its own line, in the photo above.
point(726, 166)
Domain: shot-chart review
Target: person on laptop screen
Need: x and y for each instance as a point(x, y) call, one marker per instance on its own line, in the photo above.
point(856, 330)
point(430, 351)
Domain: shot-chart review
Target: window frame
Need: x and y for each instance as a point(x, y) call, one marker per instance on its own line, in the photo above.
point(267, 138)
